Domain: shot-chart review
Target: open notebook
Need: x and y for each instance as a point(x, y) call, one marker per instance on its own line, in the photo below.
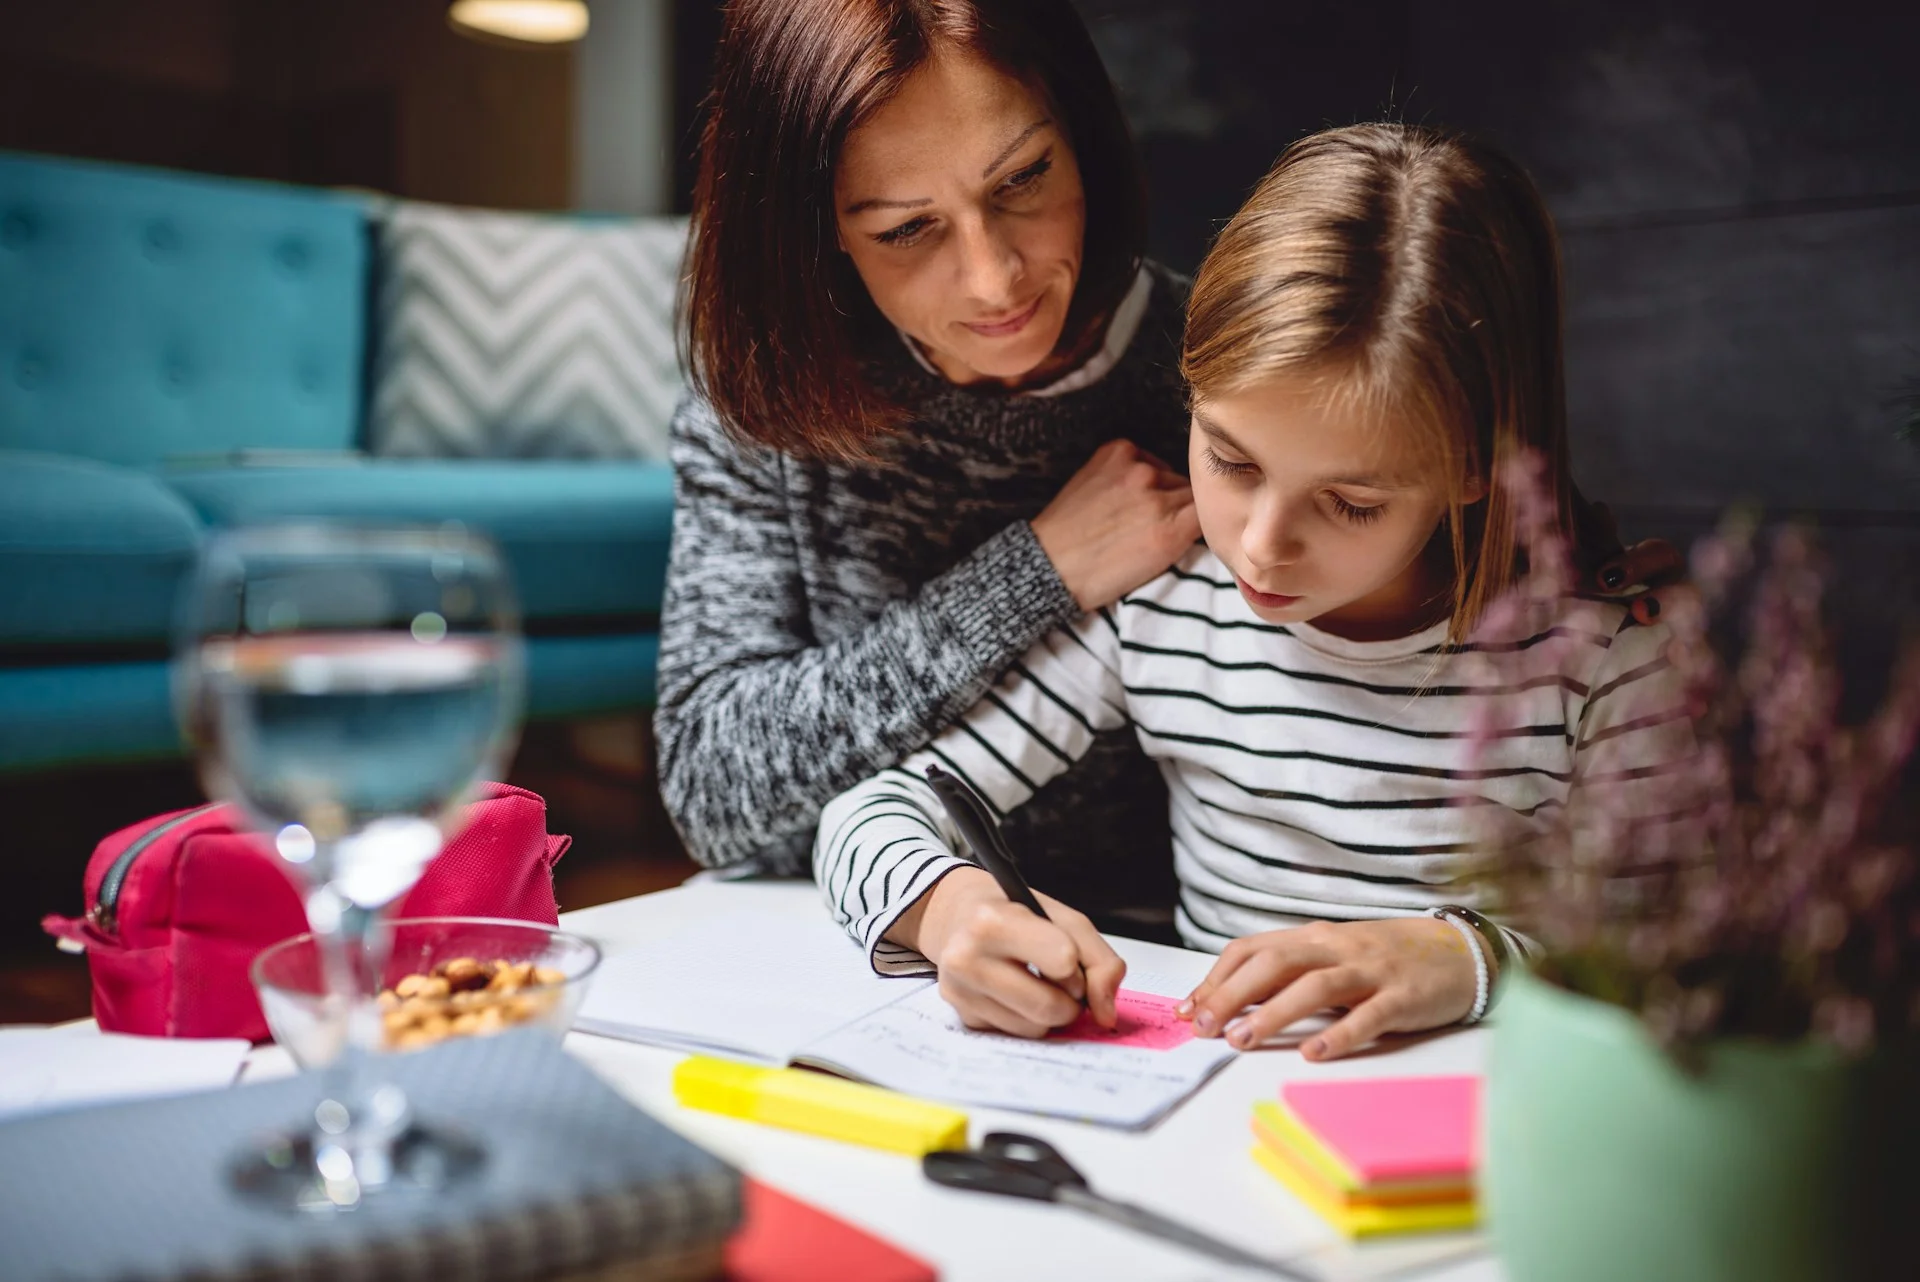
point(757, 985)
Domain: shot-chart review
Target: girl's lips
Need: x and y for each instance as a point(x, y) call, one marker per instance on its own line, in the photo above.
point(1265, 600)
point(1012, 325)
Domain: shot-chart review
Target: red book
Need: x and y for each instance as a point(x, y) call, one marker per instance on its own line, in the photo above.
point(786, 1240)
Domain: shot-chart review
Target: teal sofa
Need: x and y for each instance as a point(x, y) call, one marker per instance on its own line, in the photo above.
point(179, 354)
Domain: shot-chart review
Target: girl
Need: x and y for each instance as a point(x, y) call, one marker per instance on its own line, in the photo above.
point(1372, 341)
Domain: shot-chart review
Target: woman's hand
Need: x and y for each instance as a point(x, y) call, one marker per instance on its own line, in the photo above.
point(1394, 976)
point(1123, 518)
point(1651, 564)
point(984, 943)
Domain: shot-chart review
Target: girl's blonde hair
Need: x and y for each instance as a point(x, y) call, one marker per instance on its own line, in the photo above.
point(1410, 273)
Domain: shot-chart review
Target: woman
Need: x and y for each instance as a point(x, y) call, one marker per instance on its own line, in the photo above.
point(935, 380)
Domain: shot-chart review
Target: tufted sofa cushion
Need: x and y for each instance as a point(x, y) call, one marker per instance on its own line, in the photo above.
point(145, 315)
point(90, 554)
point(583, 540)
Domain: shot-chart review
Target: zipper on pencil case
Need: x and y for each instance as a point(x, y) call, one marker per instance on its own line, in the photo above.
point(104, 915)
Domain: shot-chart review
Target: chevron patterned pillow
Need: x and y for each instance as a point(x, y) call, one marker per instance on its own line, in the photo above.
point(503, 335)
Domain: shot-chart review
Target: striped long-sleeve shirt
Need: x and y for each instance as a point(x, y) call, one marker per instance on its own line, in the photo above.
point(1310, 777)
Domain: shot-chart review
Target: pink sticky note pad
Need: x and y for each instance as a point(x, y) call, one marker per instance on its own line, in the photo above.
point(1387, 1129)
point(1145, 1021)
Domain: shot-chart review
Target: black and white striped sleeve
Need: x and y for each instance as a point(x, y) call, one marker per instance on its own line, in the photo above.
point(1632, 760)
point(885, 842)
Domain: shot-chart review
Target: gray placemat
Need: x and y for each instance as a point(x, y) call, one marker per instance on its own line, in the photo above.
point(574, 1176)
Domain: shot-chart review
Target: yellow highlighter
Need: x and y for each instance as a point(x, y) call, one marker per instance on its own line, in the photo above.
point(819, 1105)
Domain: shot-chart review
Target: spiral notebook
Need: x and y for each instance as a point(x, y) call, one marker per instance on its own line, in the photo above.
point(575, 1177)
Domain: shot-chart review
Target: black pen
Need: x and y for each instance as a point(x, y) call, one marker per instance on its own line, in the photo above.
point(982, 834)
point(981, 831)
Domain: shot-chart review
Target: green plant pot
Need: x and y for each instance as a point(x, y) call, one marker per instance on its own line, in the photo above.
point(1607, 1161)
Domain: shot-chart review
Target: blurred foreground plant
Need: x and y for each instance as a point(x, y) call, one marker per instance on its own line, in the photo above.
point(1766, 892)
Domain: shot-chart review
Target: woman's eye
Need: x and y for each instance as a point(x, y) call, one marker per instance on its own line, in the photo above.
point(905, 234)
point(1357, 514)
point(1221, 467)
point(1028, 178)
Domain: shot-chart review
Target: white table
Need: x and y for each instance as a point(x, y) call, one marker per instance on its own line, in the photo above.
point(1194, 1165)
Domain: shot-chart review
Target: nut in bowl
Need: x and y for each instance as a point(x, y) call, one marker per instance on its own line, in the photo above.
point(445, 977)
point(463, 998)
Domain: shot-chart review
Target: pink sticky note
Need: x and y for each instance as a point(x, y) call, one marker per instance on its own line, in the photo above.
point(1145, 1021)
point(1386, 1129)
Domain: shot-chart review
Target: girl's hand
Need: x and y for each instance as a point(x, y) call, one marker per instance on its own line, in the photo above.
point(983, 944)
point(1394, 976)
point(1123, 519)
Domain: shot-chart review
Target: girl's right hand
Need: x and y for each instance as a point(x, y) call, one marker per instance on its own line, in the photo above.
point(983, 944)
point(1121, 520)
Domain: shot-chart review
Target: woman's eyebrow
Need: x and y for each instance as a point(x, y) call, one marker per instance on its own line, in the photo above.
point(1014, 146)
point(862, 206)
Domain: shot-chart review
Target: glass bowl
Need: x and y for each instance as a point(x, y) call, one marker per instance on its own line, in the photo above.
point(445, 977)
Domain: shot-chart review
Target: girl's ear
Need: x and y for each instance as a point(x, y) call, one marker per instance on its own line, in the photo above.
point(1473, 491)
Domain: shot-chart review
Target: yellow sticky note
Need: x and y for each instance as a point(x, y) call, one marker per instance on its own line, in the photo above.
point(1363, 1220)
point(819, 1105)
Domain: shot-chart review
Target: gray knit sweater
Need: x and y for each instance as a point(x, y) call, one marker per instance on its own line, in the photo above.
point(825, 620)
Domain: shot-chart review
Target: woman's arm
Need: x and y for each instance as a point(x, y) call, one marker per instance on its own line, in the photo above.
point(758, 723)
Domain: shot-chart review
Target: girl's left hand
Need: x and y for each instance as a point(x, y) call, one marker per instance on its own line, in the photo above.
point(1396, 976)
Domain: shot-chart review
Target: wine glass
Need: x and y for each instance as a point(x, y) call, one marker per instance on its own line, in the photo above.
point(345, 687)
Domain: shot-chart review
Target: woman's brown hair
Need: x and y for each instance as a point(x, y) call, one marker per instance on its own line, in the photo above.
point(1414, 274)
point(778, 326)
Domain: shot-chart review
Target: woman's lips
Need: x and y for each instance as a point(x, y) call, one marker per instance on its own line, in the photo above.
point(1012, 325)
point(1265, 600)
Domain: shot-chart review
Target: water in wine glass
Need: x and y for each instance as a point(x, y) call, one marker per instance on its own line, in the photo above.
point(364, 740)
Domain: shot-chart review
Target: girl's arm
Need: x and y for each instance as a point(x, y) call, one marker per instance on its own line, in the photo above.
point(886, 854)
point(758, 724)
point(1631, 738)
point(1632, 743)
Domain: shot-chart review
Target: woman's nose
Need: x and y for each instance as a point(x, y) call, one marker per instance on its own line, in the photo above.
point(990, 265)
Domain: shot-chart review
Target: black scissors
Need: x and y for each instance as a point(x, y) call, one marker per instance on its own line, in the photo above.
point(1015, 1165)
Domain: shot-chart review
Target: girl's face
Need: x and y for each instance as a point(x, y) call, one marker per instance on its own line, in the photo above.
point(960, 204)
point(1320, 516)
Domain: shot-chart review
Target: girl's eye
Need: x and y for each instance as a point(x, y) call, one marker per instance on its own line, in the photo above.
point(1025, 179)
point(1357, 514)
point(905, 234)
point(1221, 467)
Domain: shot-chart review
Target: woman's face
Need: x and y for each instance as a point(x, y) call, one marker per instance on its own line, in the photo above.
point(1321, 516)
point(960, 204)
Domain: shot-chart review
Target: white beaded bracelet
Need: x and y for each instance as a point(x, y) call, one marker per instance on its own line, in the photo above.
point(1481, 989)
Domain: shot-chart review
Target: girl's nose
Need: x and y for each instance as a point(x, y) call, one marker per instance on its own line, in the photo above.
point(1271, 536)
point(990, 266)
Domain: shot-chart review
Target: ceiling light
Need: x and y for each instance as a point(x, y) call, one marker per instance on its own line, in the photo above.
point(545, 22)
